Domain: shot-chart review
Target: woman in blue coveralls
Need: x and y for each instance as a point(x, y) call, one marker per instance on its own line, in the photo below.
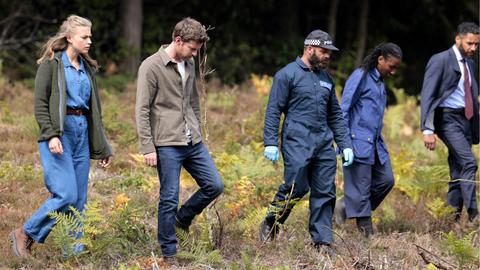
point(67, 109)
point(370, 178)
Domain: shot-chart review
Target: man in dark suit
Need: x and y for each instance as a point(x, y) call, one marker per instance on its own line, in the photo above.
point(449, 109)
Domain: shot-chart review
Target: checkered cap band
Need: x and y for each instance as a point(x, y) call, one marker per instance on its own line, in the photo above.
point(317, 42)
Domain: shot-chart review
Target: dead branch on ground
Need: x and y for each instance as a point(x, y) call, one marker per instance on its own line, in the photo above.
point(429, 257)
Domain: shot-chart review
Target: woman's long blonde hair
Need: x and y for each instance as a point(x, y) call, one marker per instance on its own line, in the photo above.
point(59, 41)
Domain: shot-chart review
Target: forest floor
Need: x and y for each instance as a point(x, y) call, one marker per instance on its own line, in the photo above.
point(413, 227)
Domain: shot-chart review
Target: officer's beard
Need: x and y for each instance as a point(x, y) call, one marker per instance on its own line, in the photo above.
point(316, 63)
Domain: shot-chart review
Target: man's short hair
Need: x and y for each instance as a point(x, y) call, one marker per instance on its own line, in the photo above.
point(467, 28)
point(190, 29)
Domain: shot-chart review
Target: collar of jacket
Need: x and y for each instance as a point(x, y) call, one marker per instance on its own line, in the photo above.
point(166, 59)
point(453, 61)
point(301, 63)
point(375, 74)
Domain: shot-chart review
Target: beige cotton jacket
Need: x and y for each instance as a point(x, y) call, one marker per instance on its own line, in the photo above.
point(163, 106)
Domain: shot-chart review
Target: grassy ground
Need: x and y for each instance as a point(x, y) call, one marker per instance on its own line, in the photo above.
point(413, 222)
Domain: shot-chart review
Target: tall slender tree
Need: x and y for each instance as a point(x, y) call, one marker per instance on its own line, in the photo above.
point(332, 18)
point(362, 32)
point(131, 17)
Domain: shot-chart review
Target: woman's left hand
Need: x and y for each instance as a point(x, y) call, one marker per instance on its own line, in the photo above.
point(105, 162)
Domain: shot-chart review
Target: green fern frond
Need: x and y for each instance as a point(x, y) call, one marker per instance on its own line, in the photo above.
point(76, 228)
point(438, 209)
point(461, 247)
point(199, 249)
point(249, 224)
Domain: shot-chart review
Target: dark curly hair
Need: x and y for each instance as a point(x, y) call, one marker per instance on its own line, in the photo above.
point(383, 49)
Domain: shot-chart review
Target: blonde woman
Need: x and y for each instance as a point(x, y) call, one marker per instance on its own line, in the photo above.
point(67, 109)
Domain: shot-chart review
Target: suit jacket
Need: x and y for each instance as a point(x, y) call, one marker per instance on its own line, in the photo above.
point(441, 79)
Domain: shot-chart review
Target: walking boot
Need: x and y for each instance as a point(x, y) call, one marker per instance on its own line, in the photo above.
point(170, 262)
point(340, 213)
point(457, 215)
point(364, 224)
point(472, 215)
point(21, 242)
point(181, 226)
point(326, 249)
point(268, 231)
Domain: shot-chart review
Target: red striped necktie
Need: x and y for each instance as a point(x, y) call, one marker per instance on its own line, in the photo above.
point(467, 87)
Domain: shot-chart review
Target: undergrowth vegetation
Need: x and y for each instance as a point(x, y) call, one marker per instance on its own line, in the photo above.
point(119, 223)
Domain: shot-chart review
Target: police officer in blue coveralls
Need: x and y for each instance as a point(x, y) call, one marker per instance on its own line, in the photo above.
point(370, 178)
point(304, 92)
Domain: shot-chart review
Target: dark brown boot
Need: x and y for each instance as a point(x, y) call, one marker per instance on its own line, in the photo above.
point(472, 215)
point(21, 242)
point(364, 224)
point(326, 249)
point(170, 262)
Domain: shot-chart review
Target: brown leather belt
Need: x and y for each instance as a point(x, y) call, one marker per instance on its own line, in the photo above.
point(71, 111)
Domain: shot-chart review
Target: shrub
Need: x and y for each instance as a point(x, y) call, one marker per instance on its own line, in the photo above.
point(117, 82)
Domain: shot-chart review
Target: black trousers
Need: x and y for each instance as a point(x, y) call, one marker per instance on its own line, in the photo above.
point(456, 134)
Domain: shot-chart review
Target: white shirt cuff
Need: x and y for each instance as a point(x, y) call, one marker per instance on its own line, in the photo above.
point(427, 132)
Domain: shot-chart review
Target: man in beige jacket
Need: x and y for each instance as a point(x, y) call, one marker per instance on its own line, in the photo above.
point(168, 122)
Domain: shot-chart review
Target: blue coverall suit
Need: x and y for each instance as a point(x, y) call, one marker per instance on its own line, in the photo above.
point(313, 118)
point(370, 178)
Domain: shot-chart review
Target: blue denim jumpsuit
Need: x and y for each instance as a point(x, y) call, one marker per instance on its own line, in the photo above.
point(66, 174)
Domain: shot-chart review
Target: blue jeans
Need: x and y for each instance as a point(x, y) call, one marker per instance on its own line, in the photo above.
point(65, 175)
point(197, 161)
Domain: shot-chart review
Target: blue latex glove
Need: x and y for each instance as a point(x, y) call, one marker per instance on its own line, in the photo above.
point(271, 153)
point(347, 156)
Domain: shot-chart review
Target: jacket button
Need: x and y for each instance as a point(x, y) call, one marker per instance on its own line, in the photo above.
point(368, 139)
point(353, 135)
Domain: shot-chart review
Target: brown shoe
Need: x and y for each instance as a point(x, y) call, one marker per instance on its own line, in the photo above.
point(21, 242)
point(170, 262)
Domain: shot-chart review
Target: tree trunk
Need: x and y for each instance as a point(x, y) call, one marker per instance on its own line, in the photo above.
point(362, 32)
point(288, 15)
point(131, 17)
point(332, 18)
